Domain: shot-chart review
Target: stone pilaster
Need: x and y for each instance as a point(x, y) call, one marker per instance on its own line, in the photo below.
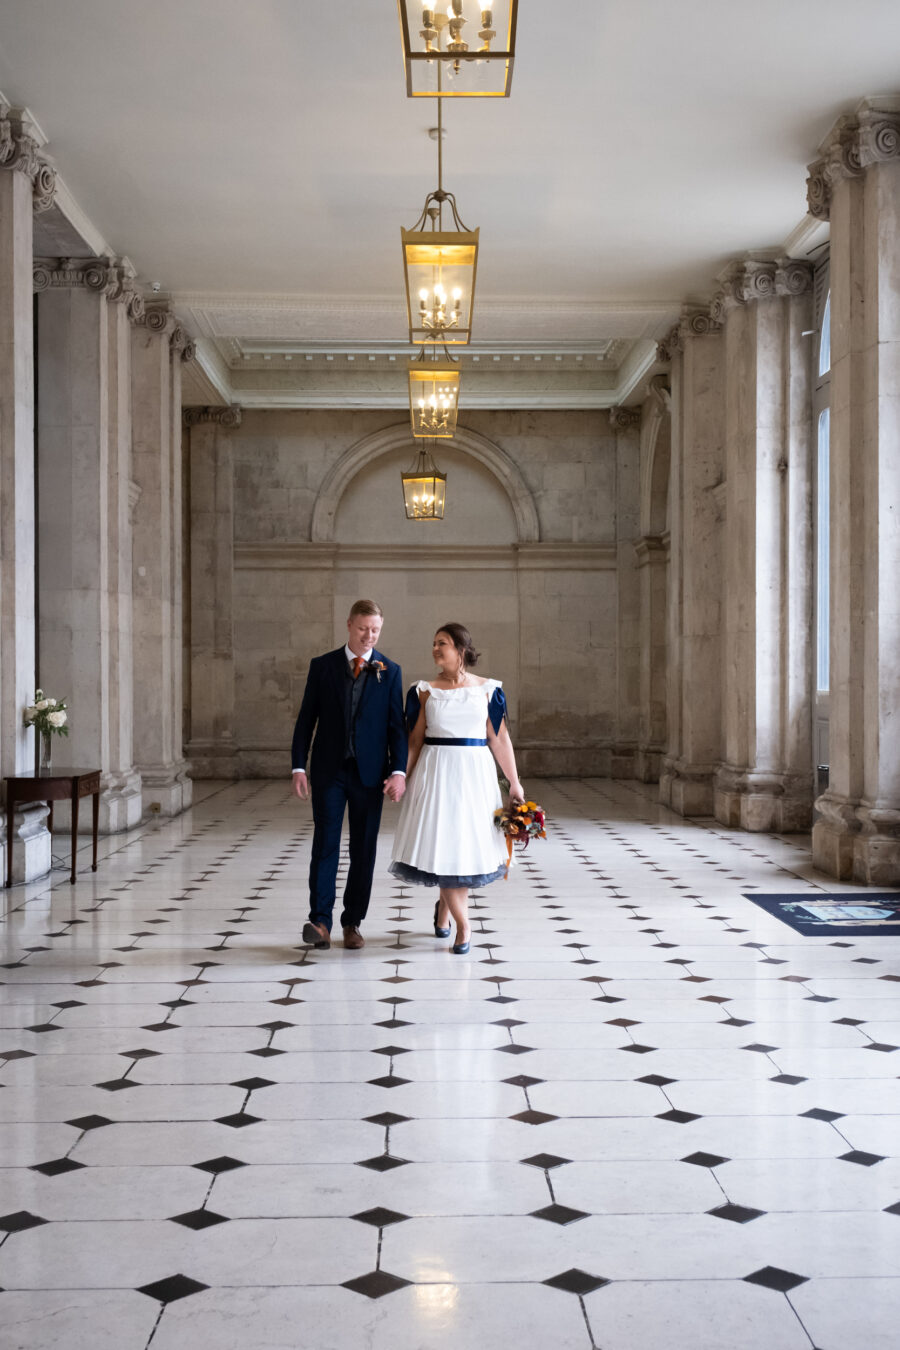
point(856, 183)
point(765, 779)
point(626, 423)
point(26, 185)
point(694, 643)
point(159, 345)
point(84, 446)
point(211, 745)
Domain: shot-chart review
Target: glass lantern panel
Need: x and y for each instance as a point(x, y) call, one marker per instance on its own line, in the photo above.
point(458, 50)
point(440, 285)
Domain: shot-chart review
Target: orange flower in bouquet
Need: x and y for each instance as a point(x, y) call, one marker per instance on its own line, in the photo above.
point(520, 822)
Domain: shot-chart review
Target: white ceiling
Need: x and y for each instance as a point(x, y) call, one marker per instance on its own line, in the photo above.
point(241, 153)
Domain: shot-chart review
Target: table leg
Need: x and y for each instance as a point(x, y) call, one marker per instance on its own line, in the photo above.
point(96, 823)
point(74, 830)
point(10, 825)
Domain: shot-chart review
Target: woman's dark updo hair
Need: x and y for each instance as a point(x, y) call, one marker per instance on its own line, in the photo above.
point(462, 641)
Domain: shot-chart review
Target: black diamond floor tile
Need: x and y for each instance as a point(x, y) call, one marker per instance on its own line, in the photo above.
point(57, 1167)
point(705, 1159)
point(172, 1288)
point(20, 1221)
point(389, 1080)
point(514, 1049)
point(546, 1161)
point(791, 1079)
point(576, 1281)
point(90, 1122)
point(819, 1113)
point(387, 1118)
point(772, 1277)
point(117, 1084)
point(383, 1163)
point(534, 1117)
point(560, 1214)
point(238, 1120)
point(376, 1284)
point(861, 1158)
point(678, 1117)
point(380, 1217)
point(217, 1165)
point(266, 1052)
point(253, 1084)
point(522, 1080)
point(736, 1213)
point(198, 1219)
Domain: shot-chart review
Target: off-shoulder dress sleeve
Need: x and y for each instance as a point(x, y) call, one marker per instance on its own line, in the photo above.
point(497, 706)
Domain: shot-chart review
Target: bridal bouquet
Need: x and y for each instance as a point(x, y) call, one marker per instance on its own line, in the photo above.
point(520, 822)
point(47, 715)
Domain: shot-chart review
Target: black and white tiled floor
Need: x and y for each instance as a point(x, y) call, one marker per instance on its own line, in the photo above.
point(641, 1115)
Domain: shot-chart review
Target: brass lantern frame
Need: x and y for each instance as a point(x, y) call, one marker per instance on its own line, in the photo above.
point(433, 412)
point(424, 488)
point(443, 45)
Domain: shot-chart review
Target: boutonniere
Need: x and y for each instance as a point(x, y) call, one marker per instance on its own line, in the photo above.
point(378, 667)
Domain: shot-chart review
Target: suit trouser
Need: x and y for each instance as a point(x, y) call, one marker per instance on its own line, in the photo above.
point(346, 791)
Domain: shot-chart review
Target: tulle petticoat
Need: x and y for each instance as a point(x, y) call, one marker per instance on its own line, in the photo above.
point(416, 877)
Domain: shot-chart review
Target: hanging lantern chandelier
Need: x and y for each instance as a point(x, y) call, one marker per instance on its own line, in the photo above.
point(465, 50)
point(424, 488)
point(433, 397)
point(439, 267)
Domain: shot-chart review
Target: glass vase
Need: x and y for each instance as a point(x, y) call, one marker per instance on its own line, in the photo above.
point(46, 751)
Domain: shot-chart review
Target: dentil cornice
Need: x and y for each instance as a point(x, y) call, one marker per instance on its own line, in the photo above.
point(857, 140)
point(227, 418)
point(20, 146)
point(111, 277)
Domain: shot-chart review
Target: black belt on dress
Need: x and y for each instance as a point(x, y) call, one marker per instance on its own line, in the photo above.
point(453, 740)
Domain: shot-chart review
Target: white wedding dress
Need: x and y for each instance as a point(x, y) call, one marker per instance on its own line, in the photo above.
point(446, 834)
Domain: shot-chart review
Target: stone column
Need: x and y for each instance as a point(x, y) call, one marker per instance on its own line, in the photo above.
point(651, 550)
point(27, 184)
point(211, 747)
point(695, 566)
point(626, 423)
point(765, 779)
point(158, 345)
point(84, 446)
point(857, 183)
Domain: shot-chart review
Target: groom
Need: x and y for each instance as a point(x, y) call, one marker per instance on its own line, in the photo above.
point(353, 702)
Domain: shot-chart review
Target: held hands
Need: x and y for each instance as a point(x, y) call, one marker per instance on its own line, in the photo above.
point(395, 786)
point(300, 786)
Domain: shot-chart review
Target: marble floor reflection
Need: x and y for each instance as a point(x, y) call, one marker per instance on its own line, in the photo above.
point(642, 1114)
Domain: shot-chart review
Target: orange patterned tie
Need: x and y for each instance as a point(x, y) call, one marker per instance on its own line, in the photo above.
point(358, 664)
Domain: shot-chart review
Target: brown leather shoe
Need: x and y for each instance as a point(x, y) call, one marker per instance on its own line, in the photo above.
point(353, 939)
point(317, 935)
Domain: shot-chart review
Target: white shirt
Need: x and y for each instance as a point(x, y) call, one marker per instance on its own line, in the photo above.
point(351, 657)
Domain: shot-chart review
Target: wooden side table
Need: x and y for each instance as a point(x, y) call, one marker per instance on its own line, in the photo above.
point(53, 786)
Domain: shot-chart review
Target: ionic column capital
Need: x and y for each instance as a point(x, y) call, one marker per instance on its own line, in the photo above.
point(20, 146)
point(158, 318)
point(624, 419)
point(226, 418)
point(752, 279)
point(857, 140)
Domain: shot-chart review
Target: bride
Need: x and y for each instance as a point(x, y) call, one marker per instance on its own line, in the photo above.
point(446, 835)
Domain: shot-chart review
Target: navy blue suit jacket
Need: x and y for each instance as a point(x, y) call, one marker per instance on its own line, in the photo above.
point(379, 731)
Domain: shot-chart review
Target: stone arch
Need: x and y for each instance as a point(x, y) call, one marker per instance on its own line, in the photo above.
point(496, 460)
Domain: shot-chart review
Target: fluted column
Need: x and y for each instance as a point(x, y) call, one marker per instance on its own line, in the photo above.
point(765, 779)
point(211, 746)
point(27, 184)
point(856, 183)
point(626, 423)
point(695, 567)
point(158, 347)
point(84, 444)
point(651, 553)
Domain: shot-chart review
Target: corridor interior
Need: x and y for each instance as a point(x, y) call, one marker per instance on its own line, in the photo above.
point(641, 1114)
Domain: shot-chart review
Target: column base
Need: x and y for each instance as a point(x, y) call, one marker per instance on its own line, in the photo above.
point(774, 803)
point(622, 760)
point(854, 841)
point(213, 759)
point(687, 789)
point(166, 790)
point(31, 844)
point(648, 763)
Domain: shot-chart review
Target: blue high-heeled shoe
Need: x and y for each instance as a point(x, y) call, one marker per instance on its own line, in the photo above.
point(460, 948)
point(439, 932)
